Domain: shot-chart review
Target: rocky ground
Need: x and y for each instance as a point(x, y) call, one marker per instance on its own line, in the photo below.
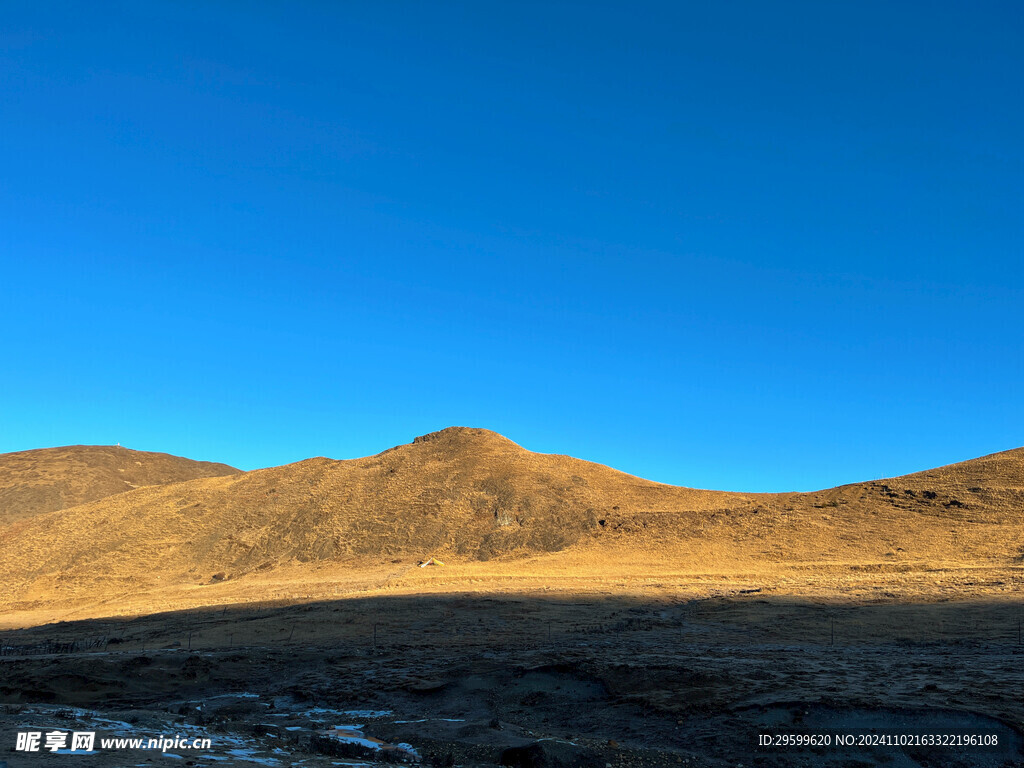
point(525, 681)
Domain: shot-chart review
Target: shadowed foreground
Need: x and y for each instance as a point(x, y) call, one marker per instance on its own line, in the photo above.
point(470, 680)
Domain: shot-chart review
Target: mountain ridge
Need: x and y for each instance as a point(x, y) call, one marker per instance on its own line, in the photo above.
point(473, 496)
point(45, 480)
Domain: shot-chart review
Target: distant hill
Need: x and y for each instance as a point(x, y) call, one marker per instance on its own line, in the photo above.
point(50, 479)
point(470, 495)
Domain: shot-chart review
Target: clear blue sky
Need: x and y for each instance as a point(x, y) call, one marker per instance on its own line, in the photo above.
point(740, 245)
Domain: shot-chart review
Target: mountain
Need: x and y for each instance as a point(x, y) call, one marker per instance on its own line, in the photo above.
point(464, 492)
point(473, 496)
point(51, 479)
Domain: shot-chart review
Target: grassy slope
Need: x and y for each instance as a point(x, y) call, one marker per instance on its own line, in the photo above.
point(494, 510)
point(52, 479)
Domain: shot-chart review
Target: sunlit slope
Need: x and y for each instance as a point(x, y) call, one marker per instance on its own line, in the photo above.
point(50, 479)
point(471, 496)
point(463, 492)
point(966, 513)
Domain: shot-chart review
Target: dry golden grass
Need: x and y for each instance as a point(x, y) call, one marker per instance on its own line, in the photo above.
point(51, 479)
point(507, 520)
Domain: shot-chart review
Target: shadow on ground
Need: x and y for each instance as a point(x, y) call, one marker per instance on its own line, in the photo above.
point(521, 680)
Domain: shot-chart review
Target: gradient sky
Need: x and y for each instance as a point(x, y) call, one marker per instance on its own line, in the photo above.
point(740, 245)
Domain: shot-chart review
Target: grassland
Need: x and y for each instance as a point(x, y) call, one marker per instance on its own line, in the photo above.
point(583, 617)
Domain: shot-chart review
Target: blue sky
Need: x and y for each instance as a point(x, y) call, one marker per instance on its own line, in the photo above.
point(742, 245)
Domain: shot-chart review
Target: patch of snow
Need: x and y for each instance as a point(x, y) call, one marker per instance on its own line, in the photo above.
point(354, 738)
point(114, 723)
point(410, 749)
point(369, 714)
point(249, 756)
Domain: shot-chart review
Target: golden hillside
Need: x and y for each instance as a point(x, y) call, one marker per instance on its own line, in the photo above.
point(51, 479)
point(472, 496)
point(463, 492)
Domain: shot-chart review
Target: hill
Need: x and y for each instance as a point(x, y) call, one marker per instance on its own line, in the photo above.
point(472, 496)
point(51, 479)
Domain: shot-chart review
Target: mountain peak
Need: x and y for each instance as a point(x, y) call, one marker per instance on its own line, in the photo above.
point(461, 434)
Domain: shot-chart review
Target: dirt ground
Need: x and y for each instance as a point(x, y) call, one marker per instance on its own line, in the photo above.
point(672, 677)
